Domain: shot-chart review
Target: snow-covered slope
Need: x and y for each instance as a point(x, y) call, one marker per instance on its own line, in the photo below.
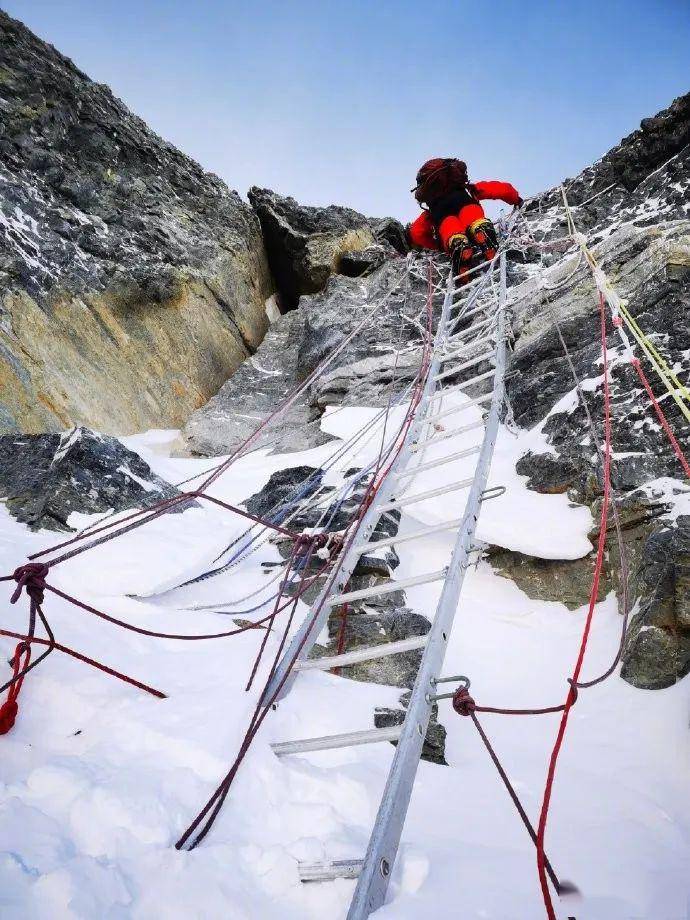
point(100, 779)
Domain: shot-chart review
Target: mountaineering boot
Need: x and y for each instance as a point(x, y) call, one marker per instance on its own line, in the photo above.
point(483, 234)
point(461, 253)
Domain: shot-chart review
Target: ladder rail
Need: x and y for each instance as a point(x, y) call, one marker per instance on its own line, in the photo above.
point(374, 877)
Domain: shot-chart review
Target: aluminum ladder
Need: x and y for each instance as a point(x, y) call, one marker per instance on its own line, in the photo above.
point(453, 351)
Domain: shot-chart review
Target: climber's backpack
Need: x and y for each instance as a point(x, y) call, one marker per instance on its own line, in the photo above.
point(438, 177)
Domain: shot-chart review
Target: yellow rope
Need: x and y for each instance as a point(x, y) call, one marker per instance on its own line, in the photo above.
point(632, 322)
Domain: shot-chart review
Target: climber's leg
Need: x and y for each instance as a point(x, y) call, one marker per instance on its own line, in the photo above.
point(461, 253)
point(483, 234)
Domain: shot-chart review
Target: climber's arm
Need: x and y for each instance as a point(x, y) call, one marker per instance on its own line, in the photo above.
point(420, 233)
point(501, 191)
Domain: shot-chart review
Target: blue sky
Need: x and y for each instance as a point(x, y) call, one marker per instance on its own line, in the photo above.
point(341, 101)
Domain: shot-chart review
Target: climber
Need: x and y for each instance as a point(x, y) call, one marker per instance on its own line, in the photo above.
point(453, 220)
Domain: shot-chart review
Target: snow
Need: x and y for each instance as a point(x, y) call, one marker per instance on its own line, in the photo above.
point(99, 779)
point(567, 525)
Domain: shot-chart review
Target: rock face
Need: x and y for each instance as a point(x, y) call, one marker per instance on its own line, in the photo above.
point(366, 372)
point(658, 644)
point(642, 179)
point(634, 206)
point(306, 245)
point(132, 284)
point(253, 393)
point(45, 477)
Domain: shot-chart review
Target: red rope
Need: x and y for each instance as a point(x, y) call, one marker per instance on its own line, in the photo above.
point(143, 516)
point(543, 816)
point(31, 576)
point(90, 661)
point(662, 418)
point(10, 708)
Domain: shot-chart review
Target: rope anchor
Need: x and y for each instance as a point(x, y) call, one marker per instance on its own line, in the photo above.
point(464, 688)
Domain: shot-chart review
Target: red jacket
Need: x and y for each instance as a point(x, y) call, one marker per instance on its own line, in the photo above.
point(496, 191)
point(422, 232)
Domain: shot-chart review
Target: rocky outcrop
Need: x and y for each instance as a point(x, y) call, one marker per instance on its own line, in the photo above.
point(46, 477)
point(366, 372)
point(253, 393)
point(306, 245)
point(657, 651)
point(132, 283)
point(643, 179)
point(434, 746)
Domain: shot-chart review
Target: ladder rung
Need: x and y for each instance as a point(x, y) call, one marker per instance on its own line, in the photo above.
point(478, 400)
point(386, 588)
point(415, 535)
point(439, 436)
point(464, 289)
point(329, 742)
point(368, 653)
point(458, 336)
point(458, 387)
point(461, 351)
point(431, 493)
point(461, 367)
point(480, 309)
point(434, 463)
point(326, 871)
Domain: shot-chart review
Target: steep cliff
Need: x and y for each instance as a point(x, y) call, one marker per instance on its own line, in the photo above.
point(132, 283)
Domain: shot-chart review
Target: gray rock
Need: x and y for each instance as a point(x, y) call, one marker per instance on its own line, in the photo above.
point(634, 206)
point(304, 244)
point(434, 747)
point(283, 487)
point(548, 474)
point(366, 372)
point(362, 262)
point(45, 477)
point(132, 283)
point(253, 393)
point(657, 651)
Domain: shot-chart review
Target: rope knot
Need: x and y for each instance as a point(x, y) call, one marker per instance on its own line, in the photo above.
point(463, 703)
point(30, 577)
point(307, 541)
point(335, 545)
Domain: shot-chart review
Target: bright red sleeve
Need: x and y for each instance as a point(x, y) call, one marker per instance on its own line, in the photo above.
point(421, 234)
point(503, 191)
